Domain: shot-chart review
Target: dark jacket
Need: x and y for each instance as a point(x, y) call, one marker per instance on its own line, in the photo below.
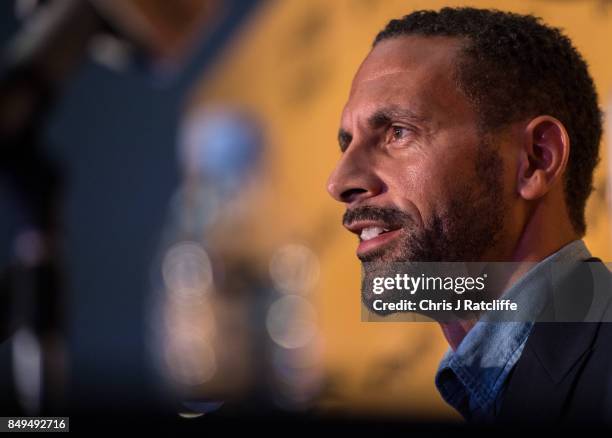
point(564, 374)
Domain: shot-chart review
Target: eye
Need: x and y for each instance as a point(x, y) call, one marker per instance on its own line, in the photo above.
point(400, 132)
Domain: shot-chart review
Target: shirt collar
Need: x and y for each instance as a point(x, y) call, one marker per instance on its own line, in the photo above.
point(471, 378)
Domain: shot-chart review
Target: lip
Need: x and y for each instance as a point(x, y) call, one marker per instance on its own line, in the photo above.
point(366, 246)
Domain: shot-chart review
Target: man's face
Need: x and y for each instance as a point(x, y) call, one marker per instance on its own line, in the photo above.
point(419, 180)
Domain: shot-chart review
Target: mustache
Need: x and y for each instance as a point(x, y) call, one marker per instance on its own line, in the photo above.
point(386, 215)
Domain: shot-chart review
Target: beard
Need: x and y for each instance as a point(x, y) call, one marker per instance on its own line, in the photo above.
point(471, 222)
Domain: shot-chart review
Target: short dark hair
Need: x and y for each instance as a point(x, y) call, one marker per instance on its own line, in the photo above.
point(513, 67)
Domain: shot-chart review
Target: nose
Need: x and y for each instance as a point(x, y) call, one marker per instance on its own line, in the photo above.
point(354, 179)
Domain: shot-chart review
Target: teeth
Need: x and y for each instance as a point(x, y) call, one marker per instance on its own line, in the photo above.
point(371, 232)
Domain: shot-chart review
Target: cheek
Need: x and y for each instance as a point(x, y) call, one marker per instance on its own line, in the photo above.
point(418, 188)
point(510, 176)
point(515, 208)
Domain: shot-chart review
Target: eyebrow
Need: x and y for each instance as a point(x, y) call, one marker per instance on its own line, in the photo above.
point(379, 119)
point(384, 116)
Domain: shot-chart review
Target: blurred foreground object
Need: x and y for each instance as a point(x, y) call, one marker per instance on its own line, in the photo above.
point(228, 326)
point(55, 39)
point(166, 30)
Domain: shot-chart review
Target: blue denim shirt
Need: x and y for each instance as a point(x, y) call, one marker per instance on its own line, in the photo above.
point(472, 378)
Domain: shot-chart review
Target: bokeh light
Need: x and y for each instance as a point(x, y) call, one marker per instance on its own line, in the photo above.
point(187, 270)
point(294, 269)
point(291, 322)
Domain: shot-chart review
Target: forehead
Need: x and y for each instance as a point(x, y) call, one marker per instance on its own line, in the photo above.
point(413, 71)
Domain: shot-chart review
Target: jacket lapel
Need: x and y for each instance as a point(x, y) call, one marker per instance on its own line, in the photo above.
point(542, 381)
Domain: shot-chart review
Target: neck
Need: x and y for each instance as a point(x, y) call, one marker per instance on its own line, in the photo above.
point(454, 332)
point(542, 236)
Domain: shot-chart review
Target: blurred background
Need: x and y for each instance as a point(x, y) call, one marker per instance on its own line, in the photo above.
point(177, 204)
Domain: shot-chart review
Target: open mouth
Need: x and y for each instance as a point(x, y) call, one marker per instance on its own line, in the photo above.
point(373, 235)
point(374, 238)
point(370, 233)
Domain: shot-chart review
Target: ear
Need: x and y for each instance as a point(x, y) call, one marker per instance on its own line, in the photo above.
point(543, 157)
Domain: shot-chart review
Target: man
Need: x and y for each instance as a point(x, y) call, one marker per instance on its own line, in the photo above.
point(472, 136)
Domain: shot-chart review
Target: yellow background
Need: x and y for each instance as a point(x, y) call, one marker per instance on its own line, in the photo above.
point(291, 65)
